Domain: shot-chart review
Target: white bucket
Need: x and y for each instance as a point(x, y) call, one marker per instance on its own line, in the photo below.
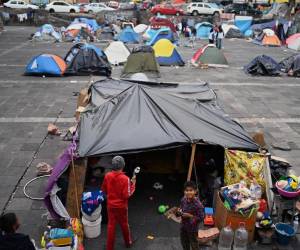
point(92, 229)
point(94, 216)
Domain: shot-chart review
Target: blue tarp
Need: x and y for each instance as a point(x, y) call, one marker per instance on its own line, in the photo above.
point(128, 35)
point(162, 33)
point(243, 23)
point(203, 30)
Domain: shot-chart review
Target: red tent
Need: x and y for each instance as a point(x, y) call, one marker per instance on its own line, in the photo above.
point(158, 22)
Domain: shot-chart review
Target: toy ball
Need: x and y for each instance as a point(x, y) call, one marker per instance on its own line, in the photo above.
point(162, 209)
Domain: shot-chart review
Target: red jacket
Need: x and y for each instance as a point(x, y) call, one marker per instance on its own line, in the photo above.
point(118, 188)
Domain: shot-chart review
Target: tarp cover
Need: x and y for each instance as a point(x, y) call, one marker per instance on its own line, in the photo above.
point(103, 90)
point(263, 65)
point(143, 118)
point(291, 63)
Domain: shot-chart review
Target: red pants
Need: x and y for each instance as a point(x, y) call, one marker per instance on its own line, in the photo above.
point(117, 216)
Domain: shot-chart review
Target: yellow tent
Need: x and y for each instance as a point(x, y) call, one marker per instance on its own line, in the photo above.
point(163, 48)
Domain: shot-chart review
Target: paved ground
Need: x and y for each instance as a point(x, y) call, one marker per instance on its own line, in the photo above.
point(28, 104)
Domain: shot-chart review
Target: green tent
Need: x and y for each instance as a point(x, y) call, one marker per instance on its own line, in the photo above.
point(142, 59)
point(209, 55)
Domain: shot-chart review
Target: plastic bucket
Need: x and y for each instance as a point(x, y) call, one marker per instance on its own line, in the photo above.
point(92, 229)
point(94, 216)
point(284, 233)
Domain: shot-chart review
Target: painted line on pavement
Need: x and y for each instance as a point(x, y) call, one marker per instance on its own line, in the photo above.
point(72, 120)
point(14, 48)
point(255, 84)
point(12, 65)
point(42, 80)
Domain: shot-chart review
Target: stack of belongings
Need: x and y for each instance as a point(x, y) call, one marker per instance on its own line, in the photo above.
point(66, 236)
point(291, 65)
point(279, 167)
point(263, 66)
point(91, 213)
point(47, 33)
point(238, 198)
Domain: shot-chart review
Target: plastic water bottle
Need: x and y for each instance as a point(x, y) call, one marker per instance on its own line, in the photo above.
point(296, 224)
point(225, 238)
point(240, 238)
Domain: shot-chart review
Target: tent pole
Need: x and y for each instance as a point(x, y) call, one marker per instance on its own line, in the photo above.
point(191, 162)
point(76, 189)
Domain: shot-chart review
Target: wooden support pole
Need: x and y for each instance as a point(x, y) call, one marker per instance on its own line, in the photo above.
point(76, 186)
point(192, 159)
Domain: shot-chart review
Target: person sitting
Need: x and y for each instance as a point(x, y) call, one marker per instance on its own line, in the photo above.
point(9, 238)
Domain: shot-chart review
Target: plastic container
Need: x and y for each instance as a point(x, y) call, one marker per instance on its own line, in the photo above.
point(92, 229)
point(225, 238)
point(286, 193)
point(284, 233)
point(240, 238)
point(94, 216)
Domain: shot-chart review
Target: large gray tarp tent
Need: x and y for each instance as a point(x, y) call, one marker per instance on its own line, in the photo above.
point(103, 90)
point(143, 118)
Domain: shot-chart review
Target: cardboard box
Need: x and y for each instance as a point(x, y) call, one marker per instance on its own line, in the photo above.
point(225, 217)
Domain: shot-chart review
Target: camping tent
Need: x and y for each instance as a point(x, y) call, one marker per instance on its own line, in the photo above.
point(128, 35)
point(243, 22)
point(158, 22)
point(92, 23)
point(103, 90)
point(47, 33)
point(73, 31)
point(163, 33)
point(291, 65)
point(267, 38)
point(117, 53)
point(263, 66)
point(203, 30)
point(166, 53)
point(141, 59)
point(157, 120)
point(140, 28)
point(85, 59)
point(293, 42)
point(210, 56)
point(231, 31)
point(46, 64)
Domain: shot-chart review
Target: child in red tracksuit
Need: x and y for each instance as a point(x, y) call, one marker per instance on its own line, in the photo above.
point(118, 188)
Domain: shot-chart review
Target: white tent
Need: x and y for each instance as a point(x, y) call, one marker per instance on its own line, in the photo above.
point(117, 53)
point(295, 44)
point(141, 28)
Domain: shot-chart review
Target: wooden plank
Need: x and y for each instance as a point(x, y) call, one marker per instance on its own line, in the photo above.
point(191, 162)
point(76, 187)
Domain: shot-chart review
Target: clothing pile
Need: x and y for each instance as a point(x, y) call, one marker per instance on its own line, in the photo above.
point(91, 201)
point(238, 198)
point(22, 17)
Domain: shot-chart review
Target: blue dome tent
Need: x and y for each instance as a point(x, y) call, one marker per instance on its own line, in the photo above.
point(203, 30)
point(128, 35)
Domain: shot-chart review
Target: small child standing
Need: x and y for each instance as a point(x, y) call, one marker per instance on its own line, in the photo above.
point(191, 212)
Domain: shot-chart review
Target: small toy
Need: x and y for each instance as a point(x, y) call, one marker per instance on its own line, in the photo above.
point(162, 209)
point(208, 219)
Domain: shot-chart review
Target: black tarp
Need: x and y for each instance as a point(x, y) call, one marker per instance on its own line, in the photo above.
point(234, 33)
point(263, 66)
point(103, 90)
point(143, 118)
point(291, 63)
point(83, 59)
